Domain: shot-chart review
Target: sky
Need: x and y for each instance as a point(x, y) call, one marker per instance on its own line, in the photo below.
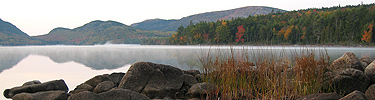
point(38, 17)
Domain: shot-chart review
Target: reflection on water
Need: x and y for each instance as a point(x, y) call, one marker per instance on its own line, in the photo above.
point(76, 64)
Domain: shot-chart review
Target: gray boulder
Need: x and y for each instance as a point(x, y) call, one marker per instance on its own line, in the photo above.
point(349, 80)
point(367, 59)
point(192, 72)
point(370, 92)
point(116, 78)
point(98, 79)
point(32, 82)
point(113, 94)
point(47, 86)
point(321, 96)
point(104, 86)
point(355, 95)
point(85, 95)
point(201, 89)
point(348, 60)
point(45, 95)
point(153, 80)
point(82, 87)
point(370, 72)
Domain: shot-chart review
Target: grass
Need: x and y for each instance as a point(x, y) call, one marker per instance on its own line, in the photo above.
point(268, 76)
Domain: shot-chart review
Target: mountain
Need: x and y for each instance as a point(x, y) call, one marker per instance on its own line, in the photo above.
point(11, 35)
point(172, 25)
point(100, 32)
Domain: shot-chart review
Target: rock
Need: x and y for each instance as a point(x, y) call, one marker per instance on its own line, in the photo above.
point(367, 59)
point(122, 94)
point(153, 80)
point(370, 72)
point(85, 95)
point(192, 72)
point(82, 87)
point(104, 86)
point(346, 81)
point(370, 92)
point(45, 95)
point(32, 82)
point(113, 94)
point(348, 60)
point(116, 78)
point(321, 96)
point(98, 79)
point(47, 86)
point(355, 95)
point(189, 80)
point(201, 89)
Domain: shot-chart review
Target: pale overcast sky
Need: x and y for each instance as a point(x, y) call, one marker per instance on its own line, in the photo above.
point(36, 17)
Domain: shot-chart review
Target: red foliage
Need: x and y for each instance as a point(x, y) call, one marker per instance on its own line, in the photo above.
point(240, 33)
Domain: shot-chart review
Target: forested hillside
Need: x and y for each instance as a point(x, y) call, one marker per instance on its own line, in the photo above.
point(100, 32)
point(11, 35)
point(350, 25)
point(172, 25)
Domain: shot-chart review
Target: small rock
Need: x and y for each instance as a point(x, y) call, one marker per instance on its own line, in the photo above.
point(113, 94)
point(355, 95)
point(367, 59)
point(82, 87)
point(104, 86)
point(348, 60)
point(45, 95)
point(370, 72)
point(321, 96)
point(201, 89)
point(346, 81)
point(189, 80)
point(370, 92)
point(47, 86)
point(116, 78)
point(192, 72)
point(98, 79)
point(32, 82)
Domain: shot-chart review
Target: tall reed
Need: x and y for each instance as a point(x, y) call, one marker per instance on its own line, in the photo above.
point(268, 76)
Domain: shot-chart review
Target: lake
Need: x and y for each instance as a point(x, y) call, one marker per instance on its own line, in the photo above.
point(76, 64)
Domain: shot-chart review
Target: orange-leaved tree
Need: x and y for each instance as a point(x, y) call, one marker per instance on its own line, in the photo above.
point(367, 36)
point(240, 33)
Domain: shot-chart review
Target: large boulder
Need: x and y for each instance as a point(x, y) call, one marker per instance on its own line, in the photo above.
point(348, 60)
point(349, 80)
point(104, 86)
point(113, 94)
point(370, 92)
point(370, 72)
point(45, 95)
point(153, 80)
point(321, 96)
point(47, 86)
point(201, 89)
point(355, 95)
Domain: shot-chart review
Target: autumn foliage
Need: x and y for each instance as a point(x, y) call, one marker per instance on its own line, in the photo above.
point(240, 33)
point(367, 36)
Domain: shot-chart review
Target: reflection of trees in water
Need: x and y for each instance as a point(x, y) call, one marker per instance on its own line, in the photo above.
point(10, 57)
point(112, 57)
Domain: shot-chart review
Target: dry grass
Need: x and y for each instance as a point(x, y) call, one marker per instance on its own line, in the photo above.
point(270, 76)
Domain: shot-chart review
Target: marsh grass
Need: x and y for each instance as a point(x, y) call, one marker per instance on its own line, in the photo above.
point(268, 76)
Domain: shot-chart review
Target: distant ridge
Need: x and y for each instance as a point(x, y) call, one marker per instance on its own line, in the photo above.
point(11, 35)
point(172, 25)
point(99, 32)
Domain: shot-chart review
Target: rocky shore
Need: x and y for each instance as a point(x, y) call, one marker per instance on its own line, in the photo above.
point(351, 77)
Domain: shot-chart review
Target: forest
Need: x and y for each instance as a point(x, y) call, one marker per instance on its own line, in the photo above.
point(349, 25)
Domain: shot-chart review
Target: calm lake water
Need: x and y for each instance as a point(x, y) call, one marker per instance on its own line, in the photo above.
point(76, 64)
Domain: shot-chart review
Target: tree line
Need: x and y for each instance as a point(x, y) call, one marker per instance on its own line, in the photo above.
point(350, 25)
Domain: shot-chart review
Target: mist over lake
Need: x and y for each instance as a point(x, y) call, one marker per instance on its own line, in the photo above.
point(76, 64)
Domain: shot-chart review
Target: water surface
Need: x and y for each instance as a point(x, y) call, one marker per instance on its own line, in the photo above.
point(76, 64)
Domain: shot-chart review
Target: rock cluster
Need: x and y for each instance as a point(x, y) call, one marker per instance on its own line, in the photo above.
point(143, 81)
point(350, 77)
